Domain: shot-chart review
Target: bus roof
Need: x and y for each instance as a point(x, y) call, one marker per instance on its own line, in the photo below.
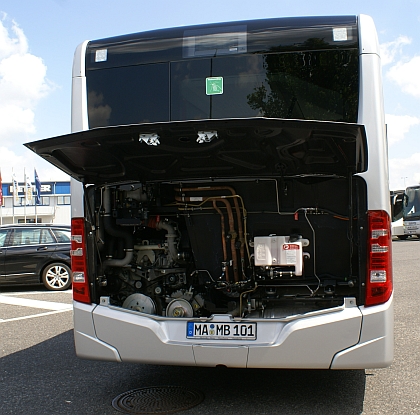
point(251, 36)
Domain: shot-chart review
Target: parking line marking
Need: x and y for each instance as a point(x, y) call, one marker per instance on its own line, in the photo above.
point(26, 302)
point(33, 316)
point(68, 292)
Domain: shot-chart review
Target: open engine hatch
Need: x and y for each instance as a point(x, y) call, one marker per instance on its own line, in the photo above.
point(209, 149)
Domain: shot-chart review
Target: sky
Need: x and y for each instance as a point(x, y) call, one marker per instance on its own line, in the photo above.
point(38, 40)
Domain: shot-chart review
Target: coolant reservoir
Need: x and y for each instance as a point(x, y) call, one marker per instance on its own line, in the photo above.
point(278, 251)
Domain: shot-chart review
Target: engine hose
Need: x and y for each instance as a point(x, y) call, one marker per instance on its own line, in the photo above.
point(113, 230)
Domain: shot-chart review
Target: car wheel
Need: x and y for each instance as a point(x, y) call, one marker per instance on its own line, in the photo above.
point(402, 237)
point(57, 276)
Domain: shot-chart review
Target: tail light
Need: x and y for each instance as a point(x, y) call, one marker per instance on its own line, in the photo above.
point(78, 261)
point(379, 267)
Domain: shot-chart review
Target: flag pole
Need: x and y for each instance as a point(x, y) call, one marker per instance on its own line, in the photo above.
point(13, 198)
point(26, 191)
point(38, 194)
point(36, 217)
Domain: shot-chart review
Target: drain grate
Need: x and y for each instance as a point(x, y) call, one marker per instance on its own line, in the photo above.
point(157, 400)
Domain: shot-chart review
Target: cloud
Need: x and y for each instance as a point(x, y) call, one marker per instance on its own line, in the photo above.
point(398, 126)
point(10, 45)
point(22, 84)
point(405, 70)
point(404, 171)
point(390, 50)
point(406, 75)
point(8, 160)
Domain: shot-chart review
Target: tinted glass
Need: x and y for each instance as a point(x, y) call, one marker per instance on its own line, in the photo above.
point(3, 234)
point(320, 85)
point(412, 204)
point(26, 236)
point(62, 236)
point(307, 85)
point(304, 68)
point(31, 236)
point(46, 237)
point(188, 90)
point(128, 95)
point(253, 36)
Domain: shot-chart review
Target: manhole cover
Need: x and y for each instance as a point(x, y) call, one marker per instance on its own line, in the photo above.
point(157, 400)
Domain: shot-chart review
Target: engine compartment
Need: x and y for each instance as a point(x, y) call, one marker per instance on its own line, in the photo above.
point(266, 248)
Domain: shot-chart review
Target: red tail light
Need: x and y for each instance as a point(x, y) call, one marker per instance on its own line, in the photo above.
point(78, 261)
point(379, 267)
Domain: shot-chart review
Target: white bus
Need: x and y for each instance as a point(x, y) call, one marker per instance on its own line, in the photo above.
point(411, 211)
point(230, 196)
point(397, 199)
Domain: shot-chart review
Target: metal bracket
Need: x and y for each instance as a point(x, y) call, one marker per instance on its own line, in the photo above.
point(206, 136)
point(350, 302)
point(105, 301)
point(150, 139)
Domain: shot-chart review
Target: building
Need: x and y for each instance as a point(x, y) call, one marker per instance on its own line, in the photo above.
point(54, 207)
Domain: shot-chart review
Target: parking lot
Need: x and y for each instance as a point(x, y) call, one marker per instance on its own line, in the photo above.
point(41, 375)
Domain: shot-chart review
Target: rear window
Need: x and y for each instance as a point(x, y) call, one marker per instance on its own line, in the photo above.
point(62, 236)
point(311, 85)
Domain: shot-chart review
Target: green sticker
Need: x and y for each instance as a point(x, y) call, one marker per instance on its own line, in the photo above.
point(214, 85)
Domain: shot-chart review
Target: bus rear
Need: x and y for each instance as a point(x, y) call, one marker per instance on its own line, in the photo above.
point(397, 199)
point(234, 203)
point(411, 215)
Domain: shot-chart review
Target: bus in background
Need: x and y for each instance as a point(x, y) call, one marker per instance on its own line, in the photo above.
point(411, 211)
point(397, 198)
point(233, 194)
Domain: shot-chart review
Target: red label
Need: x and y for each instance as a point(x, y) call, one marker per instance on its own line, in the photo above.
point(289, 247)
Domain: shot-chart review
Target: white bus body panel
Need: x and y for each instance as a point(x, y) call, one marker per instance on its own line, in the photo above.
point(87, 344)
point(79, 119)
point(376, 346)
point(371, 114)
point(397, 227)
point(79, 113)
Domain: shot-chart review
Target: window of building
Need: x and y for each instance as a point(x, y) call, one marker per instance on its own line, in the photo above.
point(23, 201)
point(63, 200)
point(30, 220)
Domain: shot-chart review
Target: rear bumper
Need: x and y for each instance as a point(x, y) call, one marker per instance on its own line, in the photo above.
point(412, 227)
point(376, 346)
point(345, 338)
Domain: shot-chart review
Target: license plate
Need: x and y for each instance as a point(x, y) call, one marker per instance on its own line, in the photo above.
point(222, 331)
